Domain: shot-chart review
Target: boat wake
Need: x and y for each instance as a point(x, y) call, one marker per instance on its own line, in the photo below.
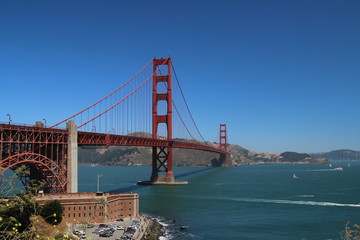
point(305, 196)
point(292, 202)
point(309, 203)
point(322, 170)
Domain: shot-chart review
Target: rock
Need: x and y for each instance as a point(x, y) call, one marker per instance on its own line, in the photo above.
point(154, 231)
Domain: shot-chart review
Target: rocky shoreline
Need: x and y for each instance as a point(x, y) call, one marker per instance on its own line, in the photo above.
point(154, 231)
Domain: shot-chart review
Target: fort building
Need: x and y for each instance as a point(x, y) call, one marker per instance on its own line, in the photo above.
point(94, 207)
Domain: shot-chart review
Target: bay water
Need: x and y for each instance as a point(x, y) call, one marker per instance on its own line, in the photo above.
point(246, 202)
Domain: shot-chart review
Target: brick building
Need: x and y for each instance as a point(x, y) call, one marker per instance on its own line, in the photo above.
point(95, 207)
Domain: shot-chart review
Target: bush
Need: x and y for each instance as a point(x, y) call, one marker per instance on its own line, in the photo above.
point(18, 210)
point(350, 233)
point(52, 212)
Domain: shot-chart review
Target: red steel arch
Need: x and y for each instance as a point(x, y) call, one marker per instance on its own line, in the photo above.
point(43, 149)
point(51, 172)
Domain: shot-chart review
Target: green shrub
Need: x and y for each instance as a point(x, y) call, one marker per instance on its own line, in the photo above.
point(52, 212)
point(350, 233)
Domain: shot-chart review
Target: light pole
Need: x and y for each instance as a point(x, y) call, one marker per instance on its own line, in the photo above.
point(44, 122)
point(9, 117)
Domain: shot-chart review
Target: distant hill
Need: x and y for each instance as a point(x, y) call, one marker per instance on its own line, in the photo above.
point(240, 156)
point(342, 154)
point(125, 156)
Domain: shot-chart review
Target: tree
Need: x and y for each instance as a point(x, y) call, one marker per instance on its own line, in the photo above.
point(16, 211)
point(15, 216)
point(52, 212)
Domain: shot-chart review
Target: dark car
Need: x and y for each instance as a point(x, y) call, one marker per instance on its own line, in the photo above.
point(105, 234)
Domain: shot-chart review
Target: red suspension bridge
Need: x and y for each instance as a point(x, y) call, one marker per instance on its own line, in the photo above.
point(141, 112)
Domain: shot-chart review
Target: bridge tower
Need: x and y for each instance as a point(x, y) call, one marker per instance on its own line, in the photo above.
point(223, 137)
point(162, 155)
point(223, 144)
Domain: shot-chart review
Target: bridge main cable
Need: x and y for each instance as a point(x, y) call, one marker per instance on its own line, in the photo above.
point(187, 106)
point(114, 105)
point(106, 96)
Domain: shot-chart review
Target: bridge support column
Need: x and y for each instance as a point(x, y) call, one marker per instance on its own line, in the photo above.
point(162, 162)
point(72, 159)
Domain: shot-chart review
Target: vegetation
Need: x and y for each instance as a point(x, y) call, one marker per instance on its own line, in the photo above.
point(124, 156)
point(19, 214)
point(52, 212)
point(15, 212)
point(128, 155)
point(342, 154)
point(350, 233)
point(22, 207)
point(112, 156)
point(294, 157)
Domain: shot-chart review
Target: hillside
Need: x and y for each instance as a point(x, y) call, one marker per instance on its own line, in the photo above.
point(241, 156)
point(126, 156)
point(342, 154)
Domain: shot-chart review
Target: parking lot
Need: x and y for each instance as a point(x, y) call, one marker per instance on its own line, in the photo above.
point(127, 228)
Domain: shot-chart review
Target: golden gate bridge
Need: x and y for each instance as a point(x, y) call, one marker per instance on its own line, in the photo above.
point(141, 112)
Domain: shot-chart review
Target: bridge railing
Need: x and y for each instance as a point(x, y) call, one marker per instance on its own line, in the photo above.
point(19, 124)
point(27, 125)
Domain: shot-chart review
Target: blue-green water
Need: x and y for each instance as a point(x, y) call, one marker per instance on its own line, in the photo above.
point(247, 202)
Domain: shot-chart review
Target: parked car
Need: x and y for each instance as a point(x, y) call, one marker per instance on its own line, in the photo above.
point(120, 228)
point(136, 223)
point(130, 230)
point(128, 234)
point(105, 234)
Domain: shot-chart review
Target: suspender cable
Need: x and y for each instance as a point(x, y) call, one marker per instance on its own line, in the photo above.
point(176, 109)
point(107, 95)
point(177, 80)
point(125, 98)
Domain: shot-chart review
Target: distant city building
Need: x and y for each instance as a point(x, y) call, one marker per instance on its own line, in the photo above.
point(94, 207)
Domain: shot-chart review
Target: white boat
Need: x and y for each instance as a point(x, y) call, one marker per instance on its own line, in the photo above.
point(330, 165)
point(294, 176)
point(338, 169)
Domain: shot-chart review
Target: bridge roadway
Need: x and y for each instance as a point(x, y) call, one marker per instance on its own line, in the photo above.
point(52, 153)
point(100, 139)
point(20, 134)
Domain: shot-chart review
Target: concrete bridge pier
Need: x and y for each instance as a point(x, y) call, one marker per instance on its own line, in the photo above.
point(72, 158)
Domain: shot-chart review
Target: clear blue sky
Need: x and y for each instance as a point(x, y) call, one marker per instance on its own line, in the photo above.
point(283, 75)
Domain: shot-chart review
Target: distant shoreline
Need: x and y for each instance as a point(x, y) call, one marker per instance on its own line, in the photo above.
point(301, 162)
point(235, 165)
